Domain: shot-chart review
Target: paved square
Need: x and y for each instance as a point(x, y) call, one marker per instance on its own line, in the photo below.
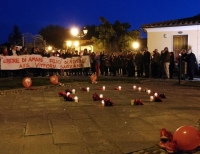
point(42, 122)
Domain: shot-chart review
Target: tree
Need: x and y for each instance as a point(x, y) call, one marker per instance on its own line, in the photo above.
point(122, 39)
point(115, 37)
point(106, 33)
point(54, 35)
point(15, 37)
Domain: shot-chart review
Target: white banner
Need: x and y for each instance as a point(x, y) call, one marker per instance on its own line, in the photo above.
point(37, 61)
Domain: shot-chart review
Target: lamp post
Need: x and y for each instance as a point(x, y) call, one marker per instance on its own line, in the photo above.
point(79, 34)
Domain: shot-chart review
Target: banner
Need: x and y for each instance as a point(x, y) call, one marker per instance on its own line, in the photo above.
point(37, 61)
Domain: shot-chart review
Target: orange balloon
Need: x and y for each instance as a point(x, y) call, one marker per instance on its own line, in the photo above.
point(27, 82)
point(54, 79)
point(93, 78)
point(187, 137)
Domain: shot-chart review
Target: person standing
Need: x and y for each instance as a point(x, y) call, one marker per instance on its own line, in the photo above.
point(166, 62)
point(191, 63)
point(97, 63)
point(130, 65)
point(146, 61)
point(101, 62)
point(14, 52)
point(139, 63)
point(4, 73)
point(106, 63)
point(155, 64)
point(124, 64)
point(171, 65)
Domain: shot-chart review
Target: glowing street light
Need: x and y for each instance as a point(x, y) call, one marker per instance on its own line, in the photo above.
point(69, 43)
point(49, 48)
point(136, 45)
point(76, 32)
point(76, 43)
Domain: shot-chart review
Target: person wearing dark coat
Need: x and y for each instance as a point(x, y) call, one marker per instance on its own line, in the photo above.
point(106, 63)
point(130, 65)
point(124, 64)
point(139, 63)
point(171, 65)
point(155, 71)
point(191, 64)
point(181, 59)
point(146, 61)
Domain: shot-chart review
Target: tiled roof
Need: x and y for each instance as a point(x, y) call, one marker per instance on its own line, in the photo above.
point(178, 22)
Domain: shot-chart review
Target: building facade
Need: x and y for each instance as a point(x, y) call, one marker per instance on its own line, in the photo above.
point(174, 34)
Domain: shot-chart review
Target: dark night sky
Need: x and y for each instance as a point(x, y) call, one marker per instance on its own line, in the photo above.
point(31, 15)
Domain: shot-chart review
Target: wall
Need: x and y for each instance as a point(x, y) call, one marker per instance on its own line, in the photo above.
point(88, 47)
point(156, 39)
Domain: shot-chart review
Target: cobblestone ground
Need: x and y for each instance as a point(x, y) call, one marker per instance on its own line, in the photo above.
point(40, 122)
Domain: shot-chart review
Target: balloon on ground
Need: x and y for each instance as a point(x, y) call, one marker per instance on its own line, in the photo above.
point(54, 79)
point(27, 82)
point(187, 137)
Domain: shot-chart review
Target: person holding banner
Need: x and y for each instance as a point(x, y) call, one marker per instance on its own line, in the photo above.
point(36, 71)
point(14, 52)
point(4, 73)
point(23, 72)
point(62, 55)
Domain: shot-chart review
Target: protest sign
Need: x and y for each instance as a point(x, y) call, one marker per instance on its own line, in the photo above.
point(37, 61)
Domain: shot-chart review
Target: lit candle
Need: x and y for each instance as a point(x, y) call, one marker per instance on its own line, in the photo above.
point(139, 89)
point(73, 91)
point(148, 91)
point(103, 87)
point(75, 99)
point(88, 89)
point(155, 94)
point(102, 103)
point(132, 101)
point(101, 95)
point(120, 87)
point(134, 87)
point(68, 93)
point(151, 98)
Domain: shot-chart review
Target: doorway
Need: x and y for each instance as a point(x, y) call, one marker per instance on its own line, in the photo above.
point(179, 42)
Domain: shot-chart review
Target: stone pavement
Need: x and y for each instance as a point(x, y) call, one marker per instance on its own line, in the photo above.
point(40, 122)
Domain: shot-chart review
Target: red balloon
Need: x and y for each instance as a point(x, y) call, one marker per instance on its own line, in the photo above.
point(187, 137)
point(54, 79)
point(27, 82)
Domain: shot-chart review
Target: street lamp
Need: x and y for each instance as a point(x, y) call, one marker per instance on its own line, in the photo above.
point(135, 45)
point(79, 34)
point(69, 43)
point(49, 48)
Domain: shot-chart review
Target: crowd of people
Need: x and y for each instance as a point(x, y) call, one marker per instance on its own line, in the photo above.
point(131, 64)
